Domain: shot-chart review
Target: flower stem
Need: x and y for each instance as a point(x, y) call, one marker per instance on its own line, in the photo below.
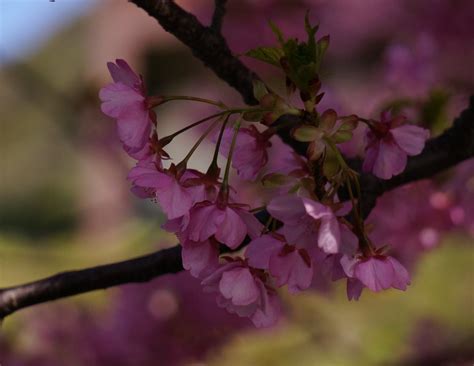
point(193, 99)
point(198, 142)
point(339, 157)
point(225, 181)
point(359, 229)
point(213, 167)
point(167, 139)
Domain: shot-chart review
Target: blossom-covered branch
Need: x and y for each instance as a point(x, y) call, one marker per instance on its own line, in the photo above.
point(452, 147)
point(306, 229)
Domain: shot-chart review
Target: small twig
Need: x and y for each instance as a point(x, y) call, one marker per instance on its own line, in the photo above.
point(218, 16)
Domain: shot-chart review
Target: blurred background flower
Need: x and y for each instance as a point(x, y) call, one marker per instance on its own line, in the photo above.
point(66, 202)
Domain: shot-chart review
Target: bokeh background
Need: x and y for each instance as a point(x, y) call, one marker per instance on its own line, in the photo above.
point(65, 202)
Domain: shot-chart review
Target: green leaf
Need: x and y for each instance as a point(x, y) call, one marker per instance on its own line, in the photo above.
point(277, 32)
point(270, 55)
point(311, 31)
point(323, 45)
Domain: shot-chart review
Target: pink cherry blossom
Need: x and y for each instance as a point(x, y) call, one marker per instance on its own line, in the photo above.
point(175, 195)
point(125, 100)
point(389, 142)
point(146, 177)
point(307, 222)
point(150, 181)
point(288, 264)
point(242, 290)
point(200, 258)
point(250, 153)
point(377, 272)
point(228, 223)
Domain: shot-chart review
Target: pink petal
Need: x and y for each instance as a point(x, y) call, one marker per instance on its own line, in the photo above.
point(282, 158)
point(118, 98)
point(315, 209)
point(349, 241)
point(174, 199)
point(287, 208)
point(177, 225)
point(254, 227)
point(122, 72)
point(214, 278)
point(239, 286)
point(410, 138)
point(147, 176)
point(348, 264)
point(204, 221)
point(401, 278)
point(269, 311)
point(329, 236)
point(376, 274)
point(242, 311)
point(354, 289)
point(141, 192)
point(232, 230)
point(303, 234)
point(370, 158)
point(134, 127)
point(259, 251)
point(199, 258)
point(391, 160)
point(292, 269)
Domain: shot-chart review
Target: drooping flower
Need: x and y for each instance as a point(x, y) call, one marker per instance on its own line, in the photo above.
point(377, 272)
point(125, 100)
point(250, 152)
point(307, 223)
point(289, 265)
point(229, 223)
point(389, 142)
point(242, 290)
point(151, 151)
point(176, 193)
point(200, 258)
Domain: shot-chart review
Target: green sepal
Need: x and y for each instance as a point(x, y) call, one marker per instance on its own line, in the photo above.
point(306, 133)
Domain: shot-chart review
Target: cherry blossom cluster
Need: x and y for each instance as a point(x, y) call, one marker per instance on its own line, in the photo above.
point(306, 231)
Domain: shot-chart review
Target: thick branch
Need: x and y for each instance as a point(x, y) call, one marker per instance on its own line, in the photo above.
point(71, 283)
point(206, 44)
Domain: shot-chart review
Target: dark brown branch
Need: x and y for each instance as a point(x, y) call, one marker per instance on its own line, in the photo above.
point(218, 16)
point(71, 283)
point(206, 44)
